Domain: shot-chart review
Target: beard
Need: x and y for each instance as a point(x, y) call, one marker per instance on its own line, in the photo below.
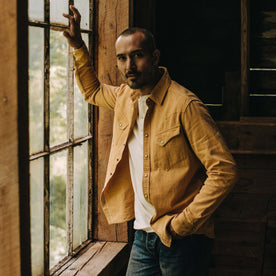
point(137, 80)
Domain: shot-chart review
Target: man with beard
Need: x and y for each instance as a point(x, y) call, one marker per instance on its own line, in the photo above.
point(169, 168)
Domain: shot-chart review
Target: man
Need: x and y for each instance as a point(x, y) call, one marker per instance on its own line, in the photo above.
point(169, 167)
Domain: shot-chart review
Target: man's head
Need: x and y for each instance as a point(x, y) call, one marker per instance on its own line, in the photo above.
point(137, 58)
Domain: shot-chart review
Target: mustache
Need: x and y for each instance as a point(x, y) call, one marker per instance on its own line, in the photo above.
point(131, 73)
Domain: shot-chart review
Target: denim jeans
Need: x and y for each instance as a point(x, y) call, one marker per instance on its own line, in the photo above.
point(188, 256)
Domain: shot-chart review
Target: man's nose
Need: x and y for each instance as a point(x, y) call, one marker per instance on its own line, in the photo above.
point(130, 64)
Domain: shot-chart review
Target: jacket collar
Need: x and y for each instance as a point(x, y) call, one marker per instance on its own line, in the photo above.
point(159, 91)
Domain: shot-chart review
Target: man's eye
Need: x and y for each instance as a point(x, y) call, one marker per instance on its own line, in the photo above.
point(121, 58)
point(139, 55)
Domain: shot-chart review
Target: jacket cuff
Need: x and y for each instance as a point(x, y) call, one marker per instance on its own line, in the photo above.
point(182, 226)
point(81, 53)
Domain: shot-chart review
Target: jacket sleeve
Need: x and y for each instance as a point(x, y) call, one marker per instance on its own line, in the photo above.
point(92, 90)
point(221, 170)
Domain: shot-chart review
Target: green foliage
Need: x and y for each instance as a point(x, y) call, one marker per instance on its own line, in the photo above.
point(58, 201)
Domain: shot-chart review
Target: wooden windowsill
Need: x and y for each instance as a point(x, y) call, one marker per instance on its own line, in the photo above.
point(97, 258)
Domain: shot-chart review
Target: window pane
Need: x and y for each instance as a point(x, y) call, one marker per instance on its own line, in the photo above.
point(58, 88)
point(80, 114)
point(80, 195)
point(36, 69)
point(36, 10)
point(37, 216)
point(58, 176)
point(83, 7)
point(57, 8)
point(80, 108)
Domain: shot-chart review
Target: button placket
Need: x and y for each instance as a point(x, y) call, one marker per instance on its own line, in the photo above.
point(146, 163)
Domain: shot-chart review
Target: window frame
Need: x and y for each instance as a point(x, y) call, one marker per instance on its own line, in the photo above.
point(69, 145)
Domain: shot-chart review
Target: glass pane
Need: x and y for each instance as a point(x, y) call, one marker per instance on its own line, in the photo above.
point(57, 8)
point(80, 194)
point(37, 216)
point(36, 10)
point(80, 114)
point(58, 88)
point(58, 176)
point(83, 7)
point(36, 69)
point(80, 108)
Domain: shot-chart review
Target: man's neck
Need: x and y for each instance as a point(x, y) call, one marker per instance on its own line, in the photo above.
point(147, 90)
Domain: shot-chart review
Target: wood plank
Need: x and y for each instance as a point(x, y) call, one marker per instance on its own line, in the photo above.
point(256, 181)
point(231, 96)
point(262, 105)
point(252, 136)
point(245, 31)
point(243, 206)
point(9, 178)
point(109, 260)
point(263, 49)
point(78, 262)
point(112, 18)
point(262, 82)
point(228, 271)
point(255, 161)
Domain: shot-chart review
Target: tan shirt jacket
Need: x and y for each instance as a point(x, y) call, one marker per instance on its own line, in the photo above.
point(188, 169)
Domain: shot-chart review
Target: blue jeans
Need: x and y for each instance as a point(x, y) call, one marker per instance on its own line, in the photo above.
point(188, 256)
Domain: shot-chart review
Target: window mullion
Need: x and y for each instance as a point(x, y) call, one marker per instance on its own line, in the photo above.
point(70, 171)
point(91, 220)
point(46, 139)
point(70, 200)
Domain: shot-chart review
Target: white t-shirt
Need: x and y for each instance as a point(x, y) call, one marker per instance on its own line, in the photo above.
point(144, 211)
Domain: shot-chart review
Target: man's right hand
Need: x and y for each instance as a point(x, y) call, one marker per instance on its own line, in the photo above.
point(73, 35)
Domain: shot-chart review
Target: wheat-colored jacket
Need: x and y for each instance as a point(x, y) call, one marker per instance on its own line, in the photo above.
point(188, 169)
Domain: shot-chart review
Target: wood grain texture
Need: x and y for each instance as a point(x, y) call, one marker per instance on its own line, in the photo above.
point(245, 31)
point(112, 18)
point(9, 180)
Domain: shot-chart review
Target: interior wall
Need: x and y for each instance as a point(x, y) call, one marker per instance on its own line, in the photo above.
point(9, 180)
point(111, 19)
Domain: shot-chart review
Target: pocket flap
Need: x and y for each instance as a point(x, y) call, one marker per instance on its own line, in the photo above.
point(164, 137)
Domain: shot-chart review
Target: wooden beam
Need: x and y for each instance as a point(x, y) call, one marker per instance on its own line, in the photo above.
point(245, 31)
point(9, 176)
point(112, 17)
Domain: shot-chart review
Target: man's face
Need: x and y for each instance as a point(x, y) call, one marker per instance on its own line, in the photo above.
point(135, 63)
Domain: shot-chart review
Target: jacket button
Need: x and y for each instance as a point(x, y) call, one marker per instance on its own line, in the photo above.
point(120, 125)
point(162, 142)
point(146, 175)
point(146, 196)
point(146, 156)
point(146, 135)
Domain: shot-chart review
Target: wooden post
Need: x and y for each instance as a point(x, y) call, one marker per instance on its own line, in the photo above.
point(14, 191)
point(245, 27)
point(112, 17)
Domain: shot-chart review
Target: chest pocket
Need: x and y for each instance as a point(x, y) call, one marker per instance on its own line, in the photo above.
point(164, 137)
point(170, 148)
point(120, 128)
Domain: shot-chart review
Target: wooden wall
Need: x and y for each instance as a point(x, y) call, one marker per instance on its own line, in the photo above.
point(9, 179)
point(14, 173)
point(246, 221)
point(112, 17)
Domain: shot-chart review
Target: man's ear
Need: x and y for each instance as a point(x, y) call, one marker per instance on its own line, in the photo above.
point(156, 57)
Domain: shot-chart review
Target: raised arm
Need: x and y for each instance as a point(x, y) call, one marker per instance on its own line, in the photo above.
point(93, 91)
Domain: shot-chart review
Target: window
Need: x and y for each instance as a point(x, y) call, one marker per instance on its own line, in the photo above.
point(262, 59)
point(60, 137)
